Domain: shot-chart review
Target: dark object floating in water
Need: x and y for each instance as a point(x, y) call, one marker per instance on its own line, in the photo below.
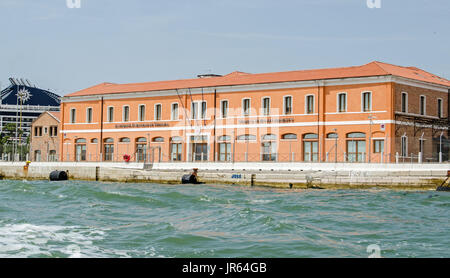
point(190, 179)
point(58, 176)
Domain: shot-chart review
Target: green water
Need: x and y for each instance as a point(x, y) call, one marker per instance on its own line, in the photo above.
point(89, 219)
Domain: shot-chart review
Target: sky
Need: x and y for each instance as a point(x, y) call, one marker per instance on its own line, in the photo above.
point(124, 41)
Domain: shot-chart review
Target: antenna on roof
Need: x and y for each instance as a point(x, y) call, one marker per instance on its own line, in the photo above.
point(208, 75)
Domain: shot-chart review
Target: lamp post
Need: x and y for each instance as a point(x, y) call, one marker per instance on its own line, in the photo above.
point(440, 147)
point(335, 144)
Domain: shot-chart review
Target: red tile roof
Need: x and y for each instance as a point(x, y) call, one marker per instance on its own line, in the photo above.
point(242, 78)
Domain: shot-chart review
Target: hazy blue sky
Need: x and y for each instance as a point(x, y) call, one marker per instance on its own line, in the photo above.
point(143, 40)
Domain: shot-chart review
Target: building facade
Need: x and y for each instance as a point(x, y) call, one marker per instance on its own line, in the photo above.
point(20, 104)
point(45, 140)
point(376, 112)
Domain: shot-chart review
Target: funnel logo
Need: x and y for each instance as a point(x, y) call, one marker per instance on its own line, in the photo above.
point(73, 4)
point(372, 4)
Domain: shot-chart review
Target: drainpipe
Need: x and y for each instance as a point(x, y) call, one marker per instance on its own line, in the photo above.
point(215, 116)
point(101, 130)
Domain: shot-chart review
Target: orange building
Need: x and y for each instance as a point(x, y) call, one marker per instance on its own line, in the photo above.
point(376, 112)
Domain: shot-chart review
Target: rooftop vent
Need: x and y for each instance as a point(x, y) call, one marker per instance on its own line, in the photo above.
point(209, 75)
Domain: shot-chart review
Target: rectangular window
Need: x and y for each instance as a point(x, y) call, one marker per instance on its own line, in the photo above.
point(422, 105)
point(439, 108)
point(309, 104)
point(194, 110)
point(198, 110)
point(366, 102)
point(54, 131)
point(203, 110)
point(126, 113)
point(224, 108)
point(224, 151)
point(73, 114)
point(246, 107)
point(342, 102)
point(174, 111)
point(404, 102)
point(158, 112)
point(266, 106)
point(110, 114)
point(288, 105)
point(89, 115)
point(141, 117)
point(378, 146)
point(176, 149)
point(404, 146)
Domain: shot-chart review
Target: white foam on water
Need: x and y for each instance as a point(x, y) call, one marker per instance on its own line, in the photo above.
point(27, 240)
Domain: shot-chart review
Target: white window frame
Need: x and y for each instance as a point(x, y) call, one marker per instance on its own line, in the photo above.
point(139, 112)
point(306, 104)
point(263, 110)
point(108, 119)
point(424, 105)
point(249, 106)
point(401, 102)
point(155, 110)
point(284, 105)
point(221, 108)
point(87, 115)
point(172, 110)
point(198, 113)
point(370, 101)
point(123, 113)
point(338, 103)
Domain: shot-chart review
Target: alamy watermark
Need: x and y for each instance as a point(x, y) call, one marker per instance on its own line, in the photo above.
point(374, 4)
point(73, 4)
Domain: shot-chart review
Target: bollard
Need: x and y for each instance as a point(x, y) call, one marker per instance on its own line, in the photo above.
point(253, 179)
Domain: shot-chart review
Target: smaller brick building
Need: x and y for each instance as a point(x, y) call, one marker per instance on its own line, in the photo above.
point(44, 137)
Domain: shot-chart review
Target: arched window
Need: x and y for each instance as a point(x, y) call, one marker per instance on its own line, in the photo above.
point(269, 137)
point(332, 135)
point(109, 140)
point(289, 136)
point(158, 139)
point(141, 140)
point(176, 139)
point(224, 138)
point(356, 135)
point(310, 136)
point(246, 137)
point(94, 141)
point(125, 140)
point(81, 141)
